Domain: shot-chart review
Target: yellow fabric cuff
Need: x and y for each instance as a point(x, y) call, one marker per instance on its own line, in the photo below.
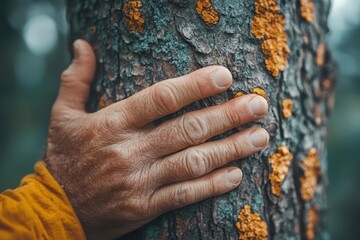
point(38, 209)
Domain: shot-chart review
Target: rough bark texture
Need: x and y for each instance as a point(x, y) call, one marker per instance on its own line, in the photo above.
point(139, 43)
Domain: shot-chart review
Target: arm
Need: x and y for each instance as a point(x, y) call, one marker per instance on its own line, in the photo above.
point(38, 209)
point(120, 172)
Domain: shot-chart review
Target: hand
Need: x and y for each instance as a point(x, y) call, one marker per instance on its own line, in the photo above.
point(120, 172)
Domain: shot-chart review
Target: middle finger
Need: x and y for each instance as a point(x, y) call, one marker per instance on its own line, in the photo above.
point(196, 127)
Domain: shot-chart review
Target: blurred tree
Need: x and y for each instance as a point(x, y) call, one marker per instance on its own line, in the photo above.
point(273, 48)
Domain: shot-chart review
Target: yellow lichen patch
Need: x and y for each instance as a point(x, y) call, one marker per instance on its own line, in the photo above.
point(260, 92)
point(132, 15)
point(320, 54)
point(269, 24)
point(207, 12)
point(307, 10)
point(250, 225)
point(239, 94)
point(280, 161)
point(287, 108)
point(312, 220)
point(311, 167)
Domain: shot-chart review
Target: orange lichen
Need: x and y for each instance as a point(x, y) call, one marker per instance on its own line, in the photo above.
point(316, 111)
point(320, 54)
point(307, 10)
point(311, 167)
point(239, 94)
point(269, 24)
point(312, 220)
point(327, 84)
point(250, 225)
point(132, 15)
point(330, 103)
point(280, 164)
point(287, 108)
point(207, 12)
point(260, 92)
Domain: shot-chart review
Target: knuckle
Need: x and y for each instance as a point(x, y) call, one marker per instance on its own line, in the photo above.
point(233, 116)
point(68, 78)
point(214, 188)
point(195, 86)
point(60, 112)
point(196, 164)
point(111, 121)
point(236, 148)
point(164, 97)
point(185, 195)
point(127, 161)
point(109, 124)
point(194, 129)
point(124, 154)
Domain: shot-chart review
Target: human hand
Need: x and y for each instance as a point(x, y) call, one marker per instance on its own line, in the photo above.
point(120, 172)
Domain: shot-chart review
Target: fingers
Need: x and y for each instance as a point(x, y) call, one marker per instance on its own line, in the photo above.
point(185, 193)
point(76, 80)
point(198, 161)
point(196, 127)
point(171, 95)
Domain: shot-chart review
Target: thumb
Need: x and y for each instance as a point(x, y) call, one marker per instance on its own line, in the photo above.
point(76, 80)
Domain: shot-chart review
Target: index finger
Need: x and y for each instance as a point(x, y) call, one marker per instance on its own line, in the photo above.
point(171, 95)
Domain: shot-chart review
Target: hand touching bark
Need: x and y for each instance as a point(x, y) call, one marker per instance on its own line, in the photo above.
point(120, 172)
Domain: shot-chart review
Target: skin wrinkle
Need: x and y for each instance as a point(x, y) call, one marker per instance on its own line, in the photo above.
point(152, 138)
point(166, 98)
point(200, 89)
point(119, 171)
point(195, 163)
point(237, 149)
point(216, 154)
point(236, 116)
point(194, 129)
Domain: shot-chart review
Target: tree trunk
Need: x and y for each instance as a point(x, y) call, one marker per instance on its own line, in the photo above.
point(272, 47)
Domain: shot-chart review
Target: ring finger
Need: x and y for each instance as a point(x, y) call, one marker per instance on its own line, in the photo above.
point(198, 161)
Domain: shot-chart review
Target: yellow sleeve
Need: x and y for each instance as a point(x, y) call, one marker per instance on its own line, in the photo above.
point(38, 209)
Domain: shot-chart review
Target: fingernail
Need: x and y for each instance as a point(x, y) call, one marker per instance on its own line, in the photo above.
point(258, 106)
point(77, 48)
point(259, 138)
point(234, 176)
point(222, 77)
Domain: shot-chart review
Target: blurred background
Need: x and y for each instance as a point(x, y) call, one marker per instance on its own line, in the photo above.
point(33, 55)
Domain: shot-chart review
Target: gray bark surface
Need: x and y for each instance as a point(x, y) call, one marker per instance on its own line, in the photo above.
point(175, 41)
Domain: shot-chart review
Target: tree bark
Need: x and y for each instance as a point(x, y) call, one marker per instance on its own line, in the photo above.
point(273, 48)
